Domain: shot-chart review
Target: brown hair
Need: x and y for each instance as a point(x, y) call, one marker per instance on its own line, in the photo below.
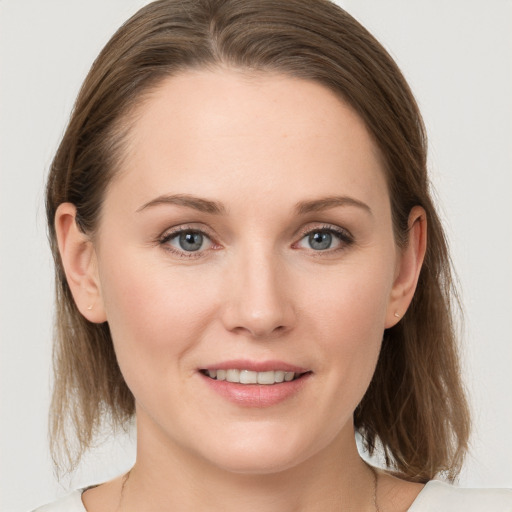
point(415, 408)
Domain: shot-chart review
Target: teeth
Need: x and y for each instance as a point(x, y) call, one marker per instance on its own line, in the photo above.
point(279, 376)
point(233, 375)
point(251, 377)
point(248, 377)
point(266, 377)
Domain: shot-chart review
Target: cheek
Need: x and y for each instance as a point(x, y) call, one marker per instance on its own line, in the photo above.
point(348, 323)
point(156, 314)
point(352, 303)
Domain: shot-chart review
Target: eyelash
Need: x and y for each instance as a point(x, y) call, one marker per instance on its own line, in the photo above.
point(344, 237)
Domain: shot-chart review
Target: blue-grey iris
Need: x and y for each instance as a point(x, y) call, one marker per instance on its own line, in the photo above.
point(320, 240)
point(191, 241)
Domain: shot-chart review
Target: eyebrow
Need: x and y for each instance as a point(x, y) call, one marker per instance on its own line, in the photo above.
point(197, 203)
point(216, 208)
point(326, 203)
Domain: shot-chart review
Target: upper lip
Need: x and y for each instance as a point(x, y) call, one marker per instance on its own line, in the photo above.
point(256, 366)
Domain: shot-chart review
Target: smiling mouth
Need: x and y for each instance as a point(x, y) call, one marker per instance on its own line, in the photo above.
point(251, 377)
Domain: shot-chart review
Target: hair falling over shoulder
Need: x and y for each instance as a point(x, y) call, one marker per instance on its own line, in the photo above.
point(415, 409)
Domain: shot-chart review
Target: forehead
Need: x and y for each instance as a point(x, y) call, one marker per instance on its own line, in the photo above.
point(205, 132)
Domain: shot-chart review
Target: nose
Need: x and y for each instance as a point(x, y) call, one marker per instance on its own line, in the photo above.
point(258, 301)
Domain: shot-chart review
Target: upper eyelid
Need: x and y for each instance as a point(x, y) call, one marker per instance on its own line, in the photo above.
point(325, 227)
point(181, 228)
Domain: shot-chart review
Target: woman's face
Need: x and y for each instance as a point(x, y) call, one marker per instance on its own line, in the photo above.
point(249, 228)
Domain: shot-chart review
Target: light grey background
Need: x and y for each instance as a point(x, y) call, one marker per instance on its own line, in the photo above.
point(457, 56)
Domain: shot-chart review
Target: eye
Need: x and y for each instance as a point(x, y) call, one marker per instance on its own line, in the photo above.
point(324, 239)
point(186, 241)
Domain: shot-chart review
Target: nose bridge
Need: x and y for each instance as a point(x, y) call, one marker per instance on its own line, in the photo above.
point(258, 300)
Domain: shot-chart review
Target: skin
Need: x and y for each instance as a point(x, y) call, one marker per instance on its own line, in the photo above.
point(257, 145)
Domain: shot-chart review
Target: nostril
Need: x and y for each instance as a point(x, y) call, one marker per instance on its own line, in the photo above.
point(260, 332)
point(257, 310)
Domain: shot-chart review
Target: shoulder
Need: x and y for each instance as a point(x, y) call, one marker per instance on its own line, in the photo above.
point(69, 503)
point(438, 496)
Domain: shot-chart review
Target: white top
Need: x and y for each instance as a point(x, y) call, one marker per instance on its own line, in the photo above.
point(436, 496)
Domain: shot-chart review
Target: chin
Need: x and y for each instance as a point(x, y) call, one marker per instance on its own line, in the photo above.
point(257, 464)
point(260, 454)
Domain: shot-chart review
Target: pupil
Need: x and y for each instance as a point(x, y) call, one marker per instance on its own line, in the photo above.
point(191, 241)
point(320, 241)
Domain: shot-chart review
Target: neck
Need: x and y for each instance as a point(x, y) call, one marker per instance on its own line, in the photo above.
point(167, 478)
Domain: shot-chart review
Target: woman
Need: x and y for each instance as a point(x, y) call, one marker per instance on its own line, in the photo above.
point(239, 212)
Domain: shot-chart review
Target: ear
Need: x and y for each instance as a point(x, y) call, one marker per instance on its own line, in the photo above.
point(79, 260)
point(410, 260)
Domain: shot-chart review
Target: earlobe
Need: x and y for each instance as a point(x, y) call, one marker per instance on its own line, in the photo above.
point(408, 267)
point(79, 261)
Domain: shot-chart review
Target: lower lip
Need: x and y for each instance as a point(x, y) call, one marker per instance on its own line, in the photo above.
point(256, 395)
